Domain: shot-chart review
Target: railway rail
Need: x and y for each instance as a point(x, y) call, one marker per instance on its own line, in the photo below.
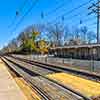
point(85, 74)
point(43, 95)
point(7, 61)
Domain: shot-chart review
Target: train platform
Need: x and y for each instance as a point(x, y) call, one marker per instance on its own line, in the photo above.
point(9, 90)
point(84, 86)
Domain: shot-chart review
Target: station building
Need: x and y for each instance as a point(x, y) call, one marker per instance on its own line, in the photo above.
point(87, 51)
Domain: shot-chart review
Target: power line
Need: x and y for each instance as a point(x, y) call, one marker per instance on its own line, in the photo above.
point(74, 9)
point(82, 21)
point(58, 16)
point(22, 18)
point(43, 14)
point(23, 5)
point(95, 8)
point(70, 18)
point(17, 13)
point(55, 9)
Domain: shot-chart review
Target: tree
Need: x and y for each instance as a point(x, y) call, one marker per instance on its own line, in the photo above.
point(84, 31)
point(56, 33)
point(76, 33)
point(43, 46)
point(66, 35)
point(91, 36)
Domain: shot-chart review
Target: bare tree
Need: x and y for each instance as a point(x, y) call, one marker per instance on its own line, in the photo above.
point(66, 35)
point(84, 31)
point(56, 33)
point(91, 36)
point(76, 33)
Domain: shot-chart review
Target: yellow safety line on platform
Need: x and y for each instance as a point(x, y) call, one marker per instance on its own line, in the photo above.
point(30, 94)
point(87, 87)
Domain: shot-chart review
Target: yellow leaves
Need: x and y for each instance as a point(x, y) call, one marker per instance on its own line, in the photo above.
point(84, 86)
point(36, 33)
point(43, 46)
point(31, 44)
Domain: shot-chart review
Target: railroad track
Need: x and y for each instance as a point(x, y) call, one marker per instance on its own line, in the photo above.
point(28, 80)
point(46, 97)
point(85, 74)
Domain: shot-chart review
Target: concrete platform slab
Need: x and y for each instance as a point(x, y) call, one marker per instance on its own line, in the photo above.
point(9, 90)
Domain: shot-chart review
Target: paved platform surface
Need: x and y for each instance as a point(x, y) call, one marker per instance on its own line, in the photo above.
point(9, 90)
point(86, 87)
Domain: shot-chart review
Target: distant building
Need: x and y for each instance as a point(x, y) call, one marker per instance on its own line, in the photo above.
point(87, 51)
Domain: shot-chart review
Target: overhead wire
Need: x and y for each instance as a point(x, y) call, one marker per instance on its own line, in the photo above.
point(71, 11)
point(27, 12)
point(17, 13)
point(55, 9)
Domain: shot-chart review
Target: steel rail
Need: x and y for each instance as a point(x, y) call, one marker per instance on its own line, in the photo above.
point(93, 76)
point(61, 85)
point(28, 80)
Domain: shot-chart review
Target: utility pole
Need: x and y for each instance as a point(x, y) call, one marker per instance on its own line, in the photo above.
point(95, 8)
point(98, 21)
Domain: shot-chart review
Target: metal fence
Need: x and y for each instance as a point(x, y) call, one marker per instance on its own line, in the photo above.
point(89, 65)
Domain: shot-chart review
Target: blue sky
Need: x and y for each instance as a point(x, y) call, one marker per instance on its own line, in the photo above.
point(9, 7)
